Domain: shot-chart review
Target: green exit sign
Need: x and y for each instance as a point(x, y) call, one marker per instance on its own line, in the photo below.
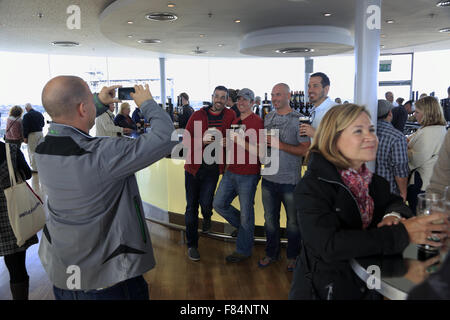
point(385, 65)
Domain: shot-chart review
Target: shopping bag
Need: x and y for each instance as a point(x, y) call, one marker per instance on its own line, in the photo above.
point(25, 209)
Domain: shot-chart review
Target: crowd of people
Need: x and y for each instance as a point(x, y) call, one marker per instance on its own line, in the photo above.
point(337, 211)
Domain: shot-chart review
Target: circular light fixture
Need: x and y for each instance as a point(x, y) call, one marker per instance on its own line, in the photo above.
point(65, 43)
point(390, 21)
point(130, 36)
point(237, 21)
point(130, 22)
point(149, 41)
point(444, 30)
point(171, 5)
point(161, 16)
point(327, 14)
point(443, 3)
point(220, 45)
point(294, 50)
point(202, 35)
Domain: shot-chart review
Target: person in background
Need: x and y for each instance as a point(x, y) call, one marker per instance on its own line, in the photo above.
point(123, 119)
point(392, 154)
point(338, 100)
point(14, 130)
point(278, 188)
point(201, 178)
point(318, 87)
point(424, 146)
point(423, 95)
point(232, 101)
point(105, 127)
point(186, 111)
point(399, 101)
point(140, 121)
point(14, 256)
point(33, 122)
point(390, 97)
point(257, 106)
point(445, 103)
point(345, 211)
point(400, 115)
point(96, 220)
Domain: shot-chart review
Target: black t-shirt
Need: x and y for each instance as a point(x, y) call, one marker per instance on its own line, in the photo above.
point(446, 108)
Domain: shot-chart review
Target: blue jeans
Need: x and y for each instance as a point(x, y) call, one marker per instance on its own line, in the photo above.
point(131, 289)
point(244, 186)
point(273, 194)
point(199, 191)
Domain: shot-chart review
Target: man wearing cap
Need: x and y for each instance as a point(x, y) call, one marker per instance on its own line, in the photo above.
point(392, 154)
point(241, 176)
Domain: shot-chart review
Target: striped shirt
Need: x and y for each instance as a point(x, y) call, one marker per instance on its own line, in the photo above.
point(392, 154)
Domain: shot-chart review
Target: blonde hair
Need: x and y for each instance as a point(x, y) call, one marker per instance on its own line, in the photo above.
point(432, 111)
point(336, 120)
point(123, 106)
point(15, 111)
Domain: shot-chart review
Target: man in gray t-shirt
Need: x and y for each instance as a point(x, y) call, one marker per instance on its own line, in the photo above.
point(279, 187)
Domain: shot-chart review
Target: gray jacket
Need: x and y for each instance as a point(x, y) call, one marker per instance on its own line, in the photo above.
point(95, 217)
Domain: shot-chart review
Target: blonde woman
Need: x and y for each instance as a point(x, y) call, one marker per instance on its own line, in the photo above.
point(14, 130)
point(345, 211)
point(424, 146)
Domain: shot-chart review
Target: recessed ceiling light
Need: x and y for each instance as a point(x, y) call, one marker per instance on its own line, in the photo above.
point(130, 22)
point(444, 30)
point(390, 21)
point(65, 43)
point(161, 16)
point(237, 21)
point(220, 45)
point(202, 35)
point(443, 3)
point(171, 5)
point(327, 14)
point(149, 41)
point(294, 50)
point(130, 36)
point(383, 35)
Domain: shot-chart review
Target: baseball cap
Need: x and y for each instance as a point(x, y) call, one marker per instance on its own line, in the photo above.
point(384, 107)
point(246, 94)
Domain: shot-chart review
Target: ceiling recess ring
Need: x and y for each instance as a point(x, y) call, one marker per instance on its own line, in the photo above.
point(161, 16)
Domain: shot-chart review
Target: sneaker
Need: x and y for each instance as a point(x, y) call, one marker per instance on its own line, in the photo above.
point(291, 265)
point(236, 257)
point(193, 254)
point(266, 261)
point(206, 225)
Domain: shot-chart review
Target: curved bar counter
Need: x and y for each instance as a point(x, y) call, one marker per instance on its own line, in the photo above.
point(162, 189)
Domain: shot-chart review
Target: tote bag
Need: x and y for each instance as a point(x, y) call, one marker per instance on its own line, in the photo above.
point(25, 210)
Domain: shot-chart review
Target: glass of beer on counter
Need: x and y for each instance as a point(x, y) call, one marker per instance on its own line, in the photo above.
point(427, 204)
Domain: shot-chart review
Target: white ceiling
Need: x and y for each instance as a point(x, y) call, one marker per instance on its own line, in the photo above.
point(31, 25)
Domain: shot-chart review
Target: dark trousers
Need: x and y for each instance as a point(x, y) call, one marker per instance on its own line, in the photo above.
point(413, 192)
point(15, 263)
point(131, 289)
point(199, 191)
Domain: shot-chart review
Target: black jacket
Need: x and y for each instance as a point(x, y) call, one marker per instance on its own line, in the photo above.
point(331, 228)
point(33, 121)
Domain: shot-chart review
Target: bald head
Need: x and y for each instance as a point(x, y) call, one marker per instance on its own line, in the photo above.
point(284, 87)
point(61, 96)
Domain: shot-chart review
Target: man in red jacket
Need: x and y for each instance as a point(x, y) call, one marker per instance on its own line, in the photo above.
point(202, 174)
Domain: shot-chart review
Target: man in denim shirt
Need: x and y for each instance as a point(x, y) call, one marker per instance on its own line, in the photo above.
point(279, 187)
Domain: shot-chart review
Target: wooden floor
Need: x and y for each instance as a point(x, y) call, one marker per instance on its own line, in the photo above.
point(175, 277)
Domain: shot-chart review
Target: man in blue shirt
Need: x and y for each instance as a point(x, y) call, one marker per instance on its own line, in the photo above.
point(392, 154)
point(33, 122)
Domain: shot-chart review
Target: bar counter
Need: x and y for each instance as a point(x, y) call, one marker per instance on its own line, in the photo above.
point(399, 273)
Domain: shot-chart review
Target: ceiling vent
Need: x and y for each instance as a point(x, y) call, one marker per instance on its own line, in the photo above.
point(294, 50)
point(198, 51)
point(149, 41)
point(65, 43)
point(443, 3)
point(444, 30)
point(161, 16)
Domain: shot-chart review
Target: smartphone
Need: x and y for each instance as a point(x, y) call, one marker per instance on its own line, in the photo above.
point(124, 93)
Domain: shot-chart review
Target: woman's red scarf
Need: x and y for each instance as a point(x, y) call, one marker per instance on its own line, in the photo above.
point(358, 183)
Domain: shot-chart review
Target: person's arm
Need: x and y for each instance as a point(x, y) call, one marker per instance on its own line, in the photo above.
point(402, 184)
point(22, 165)
point(419, 151)
point(441, 172)
point(104, 98)
point(400, 168)
point(26, 127)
